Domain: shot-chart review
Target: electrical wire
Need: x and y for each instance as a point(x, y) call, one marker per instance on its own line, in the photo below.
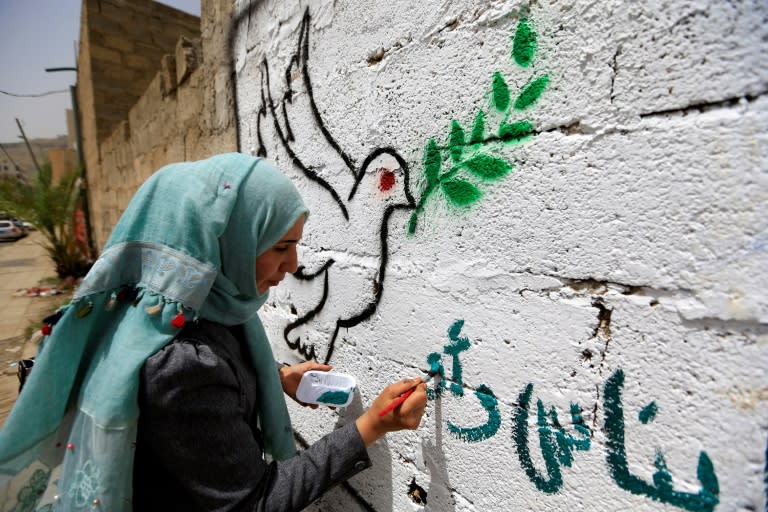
point(33, 95)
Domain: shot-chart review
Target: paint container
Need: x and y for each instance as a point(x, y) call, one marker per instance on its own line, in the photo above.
point(326, 388)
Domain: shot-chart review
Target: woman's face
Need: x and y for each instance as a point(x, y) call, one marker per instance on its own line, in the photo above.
point(280, 259)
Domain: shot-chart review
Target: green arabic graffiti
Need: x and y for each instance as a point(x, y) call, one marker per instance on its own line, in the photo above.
point(661, 489)
point(454, 348)
point(556, 445)
point(470, 160)
point(483, 393)
point(487, 429)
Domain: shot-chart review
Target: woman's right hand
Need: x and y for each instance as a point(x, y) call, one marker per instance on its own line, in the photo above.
point(407, 415)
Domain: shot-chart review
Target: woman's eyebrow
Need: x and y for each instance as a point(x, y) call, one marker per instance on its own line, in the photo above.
point(288, 242)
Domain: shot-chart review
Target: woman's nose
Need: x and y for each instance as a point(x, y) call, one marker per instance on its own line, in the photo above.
point(291, 263)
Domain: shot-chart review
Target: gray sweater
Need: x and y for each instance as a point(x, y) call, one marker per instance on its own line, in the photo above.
point(198, 446)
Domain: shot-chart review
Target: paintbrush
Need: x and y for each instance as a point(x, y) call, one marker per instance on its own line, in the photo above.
point(402, 398)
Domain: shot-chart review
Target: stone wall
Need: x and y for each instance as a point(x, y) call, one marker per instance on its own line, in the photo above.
point(561, 207)
point(147, 85)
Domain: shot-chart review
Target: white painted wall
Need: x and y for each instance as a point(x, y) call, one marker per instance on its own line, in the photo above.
point(630, 240)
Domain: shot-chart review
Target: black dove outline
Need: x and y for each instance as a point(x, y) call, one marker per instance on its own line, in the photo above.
point(285, 135)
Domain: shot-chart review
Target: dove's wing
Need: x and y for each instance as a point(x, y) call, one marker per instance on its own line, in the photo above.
point(299, 126)
point(301, 153)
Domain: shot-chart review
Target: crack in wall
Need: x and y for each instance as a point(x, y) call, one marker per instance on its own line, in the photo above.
point(465, 18)
point(603, 329)
point(594, 410)
point(700, 108)
point(381, 53)
point(614, 72)
point(728, 326)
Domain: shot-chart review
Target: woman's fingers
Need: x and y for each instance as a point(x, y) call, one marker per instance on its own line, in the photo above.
point(311, 365)
point(396, 389)
point(412, 410)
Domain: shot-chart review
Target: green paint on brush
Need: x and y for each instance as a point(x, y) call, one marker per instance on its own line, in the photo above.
point(334, 397)
point(524, 45)
point(500, 92)
point(436, 366)
point(489, 428)
point(648, 413)
point(531, 92)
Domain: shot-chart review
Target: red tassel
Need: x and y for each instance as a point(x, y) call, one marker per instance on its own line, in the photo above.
point(46, 329)
point(178, 321)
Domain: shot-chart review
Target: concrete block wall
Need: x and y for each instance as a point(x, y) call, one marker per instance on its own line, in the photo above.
point(167, 111)
point(559, 205)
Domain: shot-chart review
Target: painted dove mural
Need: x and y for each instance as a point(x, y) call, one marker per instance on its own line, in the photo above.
point(372, 192)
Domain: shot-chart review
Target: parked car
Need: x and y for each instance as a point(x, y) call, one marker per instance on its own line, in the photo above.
point(21, 225)
point(10, 231)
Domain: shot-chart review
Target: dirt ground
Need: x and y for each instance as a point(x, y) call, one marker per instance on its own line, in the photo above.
point(26, 278)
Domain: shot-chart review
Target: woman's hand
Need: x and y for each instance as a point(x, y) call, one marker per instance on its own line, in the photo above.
point(290, 376)
point(407, 415)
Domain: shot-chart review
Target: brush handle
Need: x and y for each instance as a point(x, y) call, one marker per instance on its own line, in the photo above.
point(397, 401)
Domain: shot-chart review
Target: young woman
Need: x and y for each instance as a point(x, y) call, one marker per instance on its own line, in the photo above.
point(156, 388)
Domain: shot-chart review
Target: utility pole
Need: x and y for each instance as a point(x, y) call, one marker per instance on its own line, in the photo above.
point(29, 148)
point(80, 158)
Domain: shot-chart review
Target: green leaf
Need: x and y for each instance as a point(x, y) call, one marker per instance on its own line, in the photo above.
point(460, 192)
point(531, 92)
point(412, 223)
point(432, 161)
point(524, 46)
point(487, 167)
point(457, 141)
point(500, 92)
point(515, 132)
point(478, 130)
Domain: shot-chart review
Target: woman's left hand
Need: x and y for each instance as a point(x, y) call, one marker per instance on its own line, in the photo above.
point(291, 375)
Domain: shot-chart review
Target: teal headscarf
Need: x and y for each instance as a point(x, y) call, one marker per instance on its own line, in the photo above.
point(185, 248)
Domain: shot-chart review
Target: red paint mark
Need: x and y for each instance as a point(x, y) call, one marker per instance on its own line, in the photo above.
point(178, 321)
point(386, 180)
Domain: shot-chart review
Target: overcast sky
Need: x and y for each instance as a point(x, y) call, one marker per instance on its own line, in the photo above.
point(35, 35)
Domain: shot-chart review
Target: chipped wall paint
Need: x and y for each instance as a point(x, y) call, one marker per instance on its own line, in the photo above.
point(557, 207)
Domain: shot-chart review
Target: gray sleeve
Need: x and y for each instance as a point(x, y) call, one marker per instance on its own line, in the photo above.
point(197, 425)
point(295, 483)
